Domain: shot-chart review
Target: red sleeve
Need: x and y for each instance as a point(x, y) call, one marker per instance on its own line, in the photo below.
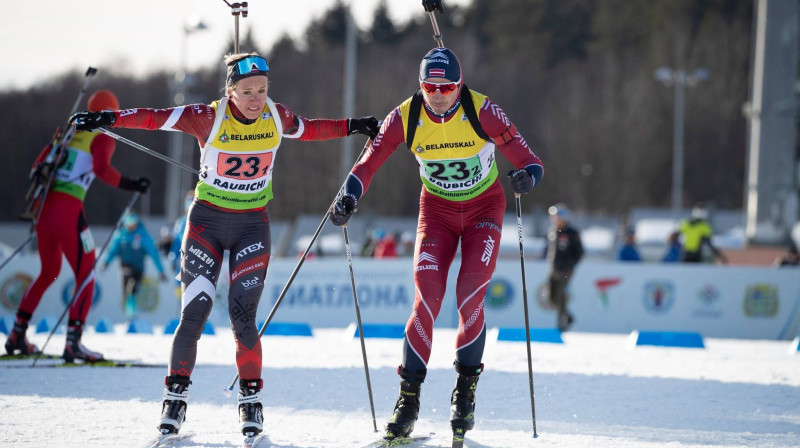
point(505, 135)
point(385, 143)
point(193, 119)
point(306, 129)
point(102, 149)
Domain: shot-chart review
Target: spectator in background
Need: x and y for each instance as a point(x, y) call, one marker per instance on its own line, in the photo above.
point(564, 251)
point(132, 244)
point(407, 243)
point(673, 254)
point(386, 247)
point(627, 250)
point(790, 258)
point(696, 233)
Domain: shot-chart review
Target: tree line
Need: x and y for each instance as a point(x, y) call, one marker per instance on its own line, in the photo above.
point(575, 77)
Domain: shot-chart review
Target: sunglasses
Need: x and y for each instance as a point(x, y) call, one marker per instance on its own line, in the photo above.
point(445, 88)
point(250, 64)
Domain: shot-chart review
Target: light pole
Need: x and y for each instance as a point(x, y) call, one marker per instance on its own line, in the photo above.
point(680, 79)
point(173, 193)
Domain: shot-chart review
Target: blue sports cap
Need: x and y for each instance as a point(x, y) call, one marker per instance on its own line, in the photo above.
point(440, 63)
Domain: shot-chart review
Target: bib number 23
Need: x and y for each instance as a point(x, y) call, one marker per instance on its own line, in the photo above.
point(244, 166)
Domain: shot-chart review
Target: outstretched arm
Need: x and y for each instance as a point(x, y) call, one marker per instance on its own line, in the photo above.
point(512, 145)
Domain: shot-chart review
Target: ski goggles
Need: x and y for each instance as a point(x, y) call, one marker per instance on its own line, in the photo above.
point(249, 66)
point(445, 88)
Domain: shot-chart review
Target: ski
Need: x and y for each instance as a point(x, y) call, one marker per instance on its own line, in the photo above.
point(255, 441)
point(20, 361)
point(397, 441)
point(166, 440)
point(18, 356)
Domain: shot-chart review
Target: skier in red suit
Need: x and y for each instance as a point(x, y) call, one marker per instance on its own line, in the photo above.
point(62, 228)
point(239, 137)
point(452, 132)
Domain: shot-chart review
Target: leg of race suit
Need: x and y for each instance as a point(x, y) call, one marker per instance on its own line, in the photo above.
point(435, 249)
point(201, 260)
point(249, 258)
point(51, 233)
point(80, 255)
point(480, 244)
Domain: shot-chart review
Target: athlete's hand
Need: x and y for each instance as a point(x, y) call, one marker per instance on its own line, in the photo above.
point(89, 121)
point(140, 184)
point(368, 126)
point(521, 181)
point(343, 209)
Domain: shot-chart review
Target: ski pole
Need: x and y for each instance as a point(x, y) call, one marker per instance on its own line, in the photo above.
point(525, 305)
point(88, 276)
point(236, 10)
point(89, 73)
point(430, 7)
point(147, 150)
point(227, 391)
point(358, 320)
point(17, 250)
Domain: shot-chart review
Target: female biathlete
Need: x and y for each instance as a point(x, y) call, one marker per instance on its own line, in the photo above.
point(239, 137)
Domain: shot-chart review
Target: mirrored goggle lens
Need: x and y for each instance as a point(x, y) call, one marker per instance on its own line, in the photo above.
point(445, 88)
point(251, 64)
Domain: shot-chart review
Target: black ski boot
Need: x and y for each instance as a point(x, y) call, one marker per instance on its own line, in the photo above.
point(406, 410)
point(251, 412)
point(173, 410)
point(74, 349)
point(17, 342)
point(462, 401)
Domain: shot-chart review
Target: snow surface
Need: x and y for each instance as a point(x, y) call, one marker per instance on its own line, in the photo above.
point(591, 391)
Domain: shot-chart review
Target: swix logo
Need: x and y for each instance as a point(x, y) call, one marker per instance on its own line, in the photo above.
point(249, 250)
point(487, 250)
point(251, 283)
point(426, 257)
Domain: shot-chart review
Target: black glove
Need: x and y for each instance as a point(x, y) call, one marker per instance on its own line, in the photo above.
point(521, 181)
point(140, 184)
point(433, 5)
point(365, 125)
point(89, 121)
point(343, 209)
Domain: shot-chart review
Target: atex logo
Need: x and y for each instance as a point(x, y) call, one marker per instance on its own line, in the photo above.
point(249, 250)
point(761, 300)
point(659, 296)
